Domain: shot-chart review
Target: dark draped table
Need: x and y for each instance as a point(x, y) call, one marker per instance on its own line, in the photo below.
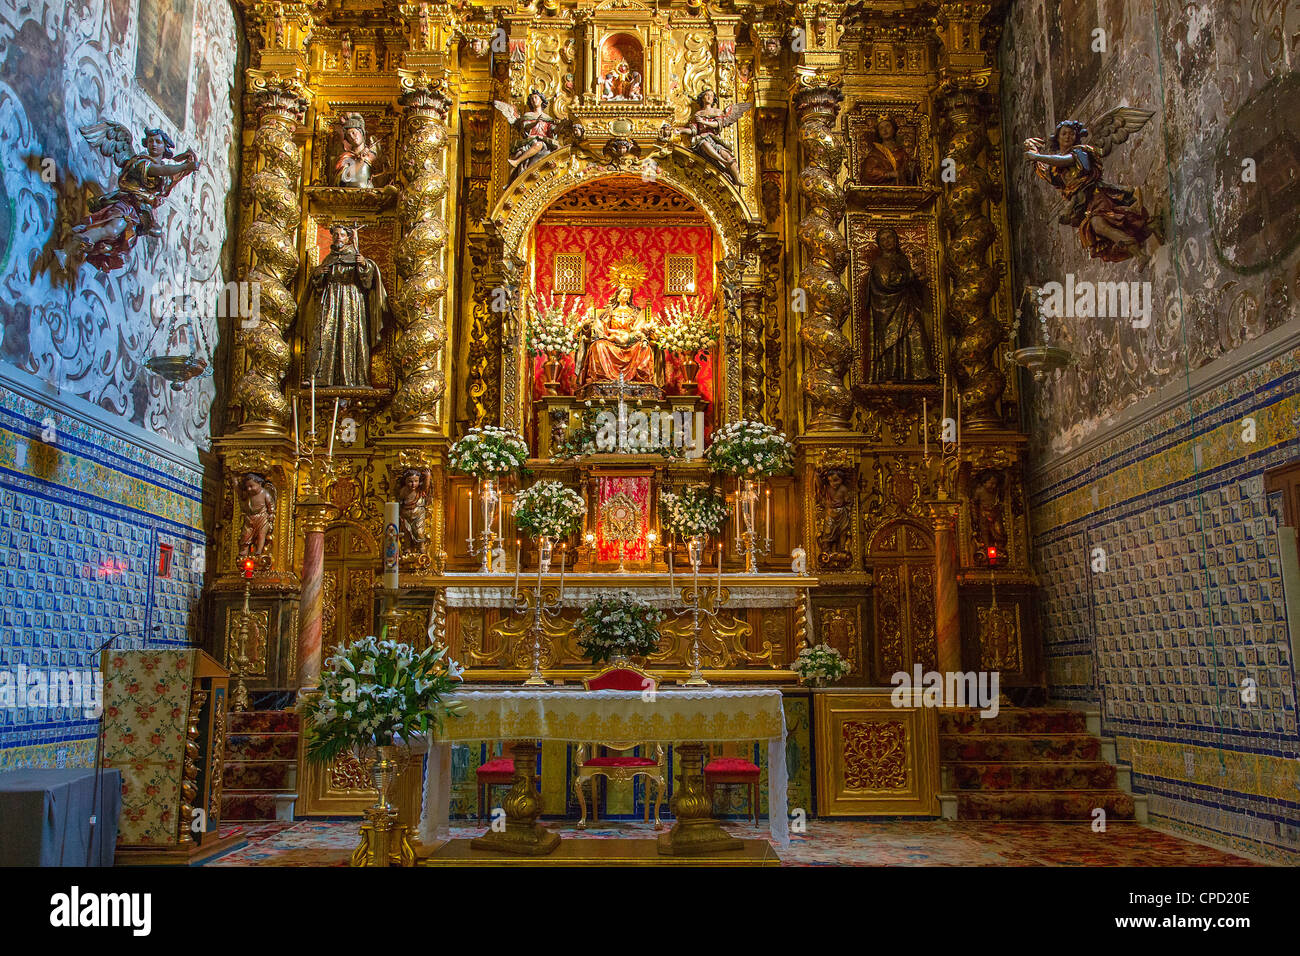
point(45, 817)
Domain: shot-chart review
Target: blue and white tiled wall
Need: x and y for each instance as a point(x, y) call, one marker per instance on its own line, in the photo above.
point(1181, 619)
point(82, 518)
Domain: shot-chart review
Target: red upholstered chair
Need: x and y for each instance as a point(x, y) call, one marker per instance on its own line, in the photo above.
point(624, 766)
point(497, 772)
point(733, 771)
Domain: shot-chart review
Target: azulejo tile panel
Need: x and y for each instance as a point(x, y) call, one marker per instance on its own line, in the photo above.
point(82, 517)
point(1189, 606)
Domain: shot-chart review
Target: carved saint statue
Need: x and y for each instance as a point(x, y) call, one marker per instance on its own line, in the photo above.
point(1112, 223)
point(620, 343)
point(357, 156)
point(144, 180)
point(536, 126)
point(887, 162)
point(705, 131)
point(987, 528)
point(413, 502)
point(257, 505)
point(835, 507)
point(900, 338)
point(344, 313)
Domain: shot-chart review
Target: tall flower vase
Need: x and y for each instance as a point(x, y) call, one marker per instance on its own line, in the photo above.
point(490, 498)
point(551, 374)
point(748, 492)
point(690, 375)
point(384, 841)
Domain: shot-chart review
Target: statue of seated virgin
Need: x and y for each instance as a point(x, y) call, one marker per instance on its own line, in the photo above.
point(620, 347)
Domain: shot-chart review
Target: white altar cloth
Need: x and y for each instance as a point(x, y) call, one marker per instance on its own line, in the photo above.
point(668, 715)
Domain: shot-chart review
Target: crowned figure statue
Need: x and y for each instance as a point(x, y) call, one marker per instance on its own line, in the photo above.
point(620, 349)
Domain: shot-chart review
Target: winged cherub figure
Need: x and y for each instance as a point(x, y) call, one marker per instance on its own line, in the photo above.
point(1112, 222)
point(705, 130)
point(536, 126)
point(144, 180)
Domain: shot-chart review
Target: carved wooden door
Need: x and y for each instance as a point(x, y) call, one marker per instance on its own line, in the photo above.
point(348, 587)
point(902, 556)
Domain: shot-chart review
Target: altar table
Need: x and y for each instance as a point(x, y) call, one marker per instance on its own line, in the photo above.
point(687, 716)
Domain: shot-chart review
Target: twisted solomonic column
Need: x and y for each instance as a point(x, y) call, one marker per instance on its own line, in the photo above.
point(827, 351)
point(751, 353)
point(281, 105)
point(974, 279)
point(421, 321)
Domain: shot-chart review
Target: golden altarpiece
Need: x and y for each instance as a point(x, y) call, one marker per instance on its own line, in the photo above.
point(848, 230)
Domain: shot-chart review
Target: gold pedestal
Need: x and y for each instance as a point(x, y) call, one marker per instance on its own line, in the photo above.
point(384, 841)
point(522, 834)
point(695, 832)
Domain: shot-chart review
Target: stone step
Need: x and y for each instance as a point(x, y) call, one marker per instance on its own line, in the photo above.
point(1044, 805)
point(1034, 775)
point(1013, 720)
point(1018, 748)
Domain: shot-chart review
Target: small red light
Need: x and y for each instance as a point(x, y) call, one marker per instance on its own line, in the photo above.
point(992, 554)
point(248, 565)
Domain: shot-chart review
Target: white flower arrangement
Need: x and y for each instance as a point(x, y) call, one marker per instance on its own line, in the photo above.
point(820, 663)
point(622, 625)
point(749, 449)
point(698, 509)
point(374, 690)
point(549, 508)
point(688, 331)
point(488, 451)
point(553, 331)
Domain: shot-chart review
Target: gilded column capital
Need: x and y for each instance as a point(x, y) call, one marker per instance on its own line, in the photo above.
point(425, 92)
point(275, 96)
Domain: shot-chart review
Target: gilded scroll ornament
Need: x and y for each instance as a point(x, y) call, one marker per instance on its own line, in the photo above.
point(827, 350)
point(875, 755)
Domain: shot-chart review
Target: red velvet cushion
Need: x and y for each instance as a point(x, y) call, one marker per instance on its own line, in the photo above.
point(619, 762)
point(621, 679)
point(498, 765)
point(730, 765)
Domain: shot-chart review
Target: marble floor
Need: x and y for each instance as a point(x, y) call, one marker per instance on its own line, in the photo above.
point(827, 843)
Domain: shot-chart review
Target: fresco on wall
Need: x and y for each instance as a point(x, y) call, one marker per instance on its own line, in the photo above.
point(1225, 299)
point(84, 332)
point(162, 59)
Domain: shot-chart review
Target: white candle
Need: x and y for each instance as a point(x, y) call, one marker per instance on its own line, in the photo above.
point(768, 533)
point(313, 412)
point(925, 429)
point(564, 550)
point(958, 400)
point(670, 565)
point(719, 570)
point(334, 427)
point(296, 452)
point(469, 497)
point(945, 404)
point(518, 548)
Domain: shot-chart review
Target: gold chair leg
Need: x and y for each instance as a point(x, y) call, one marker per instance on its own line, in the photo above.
point(582, 800)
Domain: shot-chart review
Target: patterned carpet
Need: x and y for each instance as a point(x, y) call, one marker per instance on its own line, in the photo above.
point(827, 843)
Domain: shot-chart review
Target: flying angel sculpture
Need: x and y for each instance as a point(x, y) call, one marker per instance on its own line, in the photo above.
point(536, 126)
point(1112, 223)
point(705, 128)
point(144, 180)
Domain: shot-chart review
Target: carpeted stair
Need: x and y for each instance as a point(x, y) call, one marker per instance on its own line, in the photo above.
point(1032, 763)
point(260, 776)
